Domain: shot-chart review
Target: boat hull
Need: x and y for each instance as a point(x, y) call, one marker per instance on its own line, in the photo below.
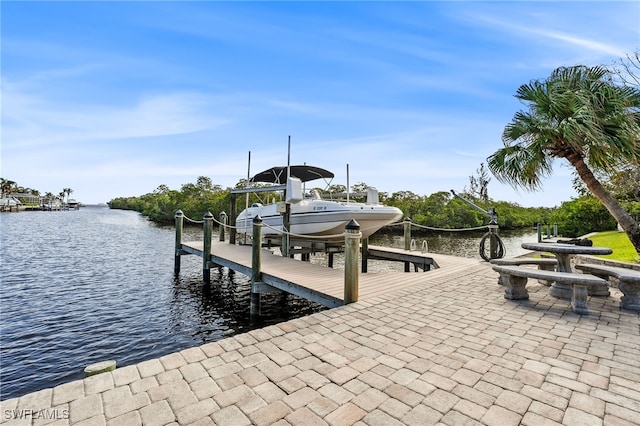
point(319, 218)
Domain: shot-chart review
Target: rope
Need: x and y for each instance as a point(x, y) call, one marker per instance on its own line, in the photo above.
point(193, 221)
point(224, 224)
point(482, 250)
point(447, 229)
point(439, 229)
point(339, 235)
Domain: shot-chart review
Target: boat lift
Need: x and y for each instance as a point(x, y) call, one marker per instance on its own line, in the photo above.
point(496, 246)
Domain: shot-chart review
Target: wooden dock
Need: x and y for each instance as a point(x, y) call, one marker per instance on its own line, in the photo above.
point(322, 284)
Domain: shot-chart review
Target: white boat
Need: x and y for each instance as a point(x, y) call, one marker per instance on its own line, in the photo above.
point(310, 214)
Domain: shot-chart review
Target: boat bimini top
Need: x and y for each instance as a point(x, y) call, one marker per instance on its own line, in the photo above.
point(278, 175)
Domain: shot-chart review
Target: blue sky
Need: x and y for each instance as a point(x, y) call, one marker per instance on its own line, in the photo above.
point(116, 98)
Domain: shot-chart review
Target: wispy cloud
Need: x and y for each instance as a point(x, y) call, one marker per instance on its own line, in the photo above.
point(544, 26)
point(33, 121)
point(413, 95)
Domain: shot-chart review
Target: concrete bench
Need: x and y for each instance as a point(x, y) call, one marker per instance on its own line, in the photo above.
point(515, 279)
point(628, 282)
point(544, 264)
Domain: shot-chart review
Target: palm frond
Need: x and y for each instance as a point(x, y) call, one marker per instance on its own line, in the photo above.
point(520, 166)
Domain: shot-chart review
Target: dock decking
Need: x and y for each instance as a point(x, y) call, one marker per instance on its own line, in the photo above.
point(319, 283)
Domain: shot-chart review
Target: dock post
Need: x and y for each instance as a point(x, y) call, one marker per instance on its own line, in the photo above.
point(352, 237)
point(256, 260)
point(365, 255)
point(206, 247)
point(232, 219)
point(407, 241)
point(179, 217)
point(223, 225)
point(286, 228)
point(539, 232)
point(493, 242)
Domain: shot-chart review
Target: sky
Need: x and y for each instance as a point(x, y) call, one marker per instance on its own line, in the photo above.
point(113, 99)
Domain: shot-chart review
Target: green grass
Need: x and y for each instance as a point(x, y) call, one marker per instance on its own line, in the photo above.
point(617, 241)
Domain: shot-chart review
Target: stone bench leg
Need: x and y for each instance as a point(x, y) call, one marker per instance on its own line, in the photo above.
point(599, 290)
point(579, 299)
point(631, 298)
point(515, 288)
point(546, 268)
point(503, 279)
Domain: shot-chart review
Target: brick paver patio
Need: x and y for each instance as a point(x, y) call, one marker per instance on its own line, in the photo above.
point(452, 351)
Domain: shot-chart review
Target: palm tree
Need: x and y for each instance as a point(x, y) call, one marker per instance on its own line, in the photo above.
point(65, 195)
point(6, 186)
point(49, 199)
point(578, 114)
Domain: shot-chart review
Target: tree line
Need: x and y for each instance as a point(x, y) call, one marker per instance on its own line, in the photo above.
point(574, 218)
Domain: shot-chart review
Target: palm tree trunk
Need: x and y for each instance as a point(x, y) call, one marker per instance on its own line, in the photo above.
point(623, 218)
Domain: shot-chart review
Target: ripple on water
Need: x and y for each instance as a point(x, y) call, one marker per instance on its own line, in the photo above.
point(83, 286)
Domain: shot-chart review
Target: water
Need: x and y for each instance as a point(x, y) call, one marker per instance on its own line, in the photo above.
point(80, 287)
point(463, 244)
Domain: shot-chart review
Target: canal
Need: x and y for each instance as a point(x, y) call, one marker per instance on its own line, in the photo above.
point(93, 284)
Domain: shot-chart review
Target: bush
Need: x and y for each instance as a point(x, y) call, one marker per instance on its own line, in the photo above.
point(582, 216)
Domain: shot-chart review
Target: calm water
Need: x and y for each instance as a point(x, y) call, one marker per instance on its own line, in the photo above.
point(80, 287)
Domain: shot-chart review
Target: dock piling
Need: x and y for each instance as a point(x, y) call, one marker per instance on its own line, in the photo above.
point(493, 242)
point(256, 265)
point(365, 255)
point(407, 241)
point(223, 225)
point(352, 237)
point(206, 256)
point(179, 218)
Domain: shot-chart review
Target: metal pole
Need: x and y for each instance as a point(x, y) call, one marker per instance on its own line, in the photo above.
point(256, 261)
point(179, 218)
point(352, 237)
point(286, 219)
